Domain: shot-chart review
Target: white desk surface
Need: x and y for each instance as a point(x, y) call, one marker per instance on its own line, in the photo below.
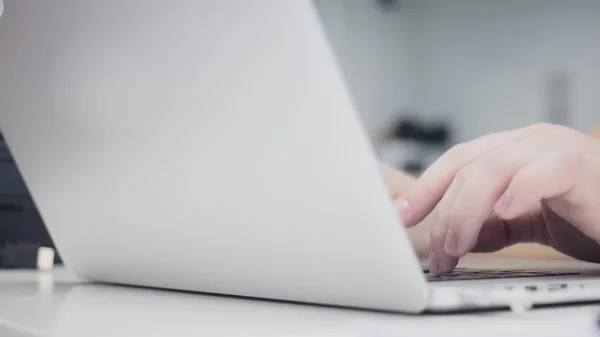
point(55, 303)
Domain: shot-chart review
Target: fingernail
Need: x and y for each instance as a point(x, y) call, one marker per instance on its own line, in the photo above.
point(403, 210)
point(503, 204)
point(450, 245)
point(434, 264)
point(447, 264)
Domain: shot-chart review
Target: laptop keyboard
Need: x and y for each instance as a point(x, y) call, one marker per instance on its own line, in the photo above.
point(460, 274)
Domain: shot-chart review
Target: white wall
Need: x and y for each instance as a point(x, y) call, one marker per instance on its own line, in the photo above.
point(485, 62)
point(371, 44)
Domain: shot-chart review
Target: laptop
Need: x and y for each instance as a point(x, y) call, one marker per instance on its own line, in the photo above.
point(214, 147)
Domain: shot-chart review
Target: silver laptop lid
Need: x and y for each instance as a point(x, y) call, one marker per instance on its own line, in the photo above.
point(201, 145)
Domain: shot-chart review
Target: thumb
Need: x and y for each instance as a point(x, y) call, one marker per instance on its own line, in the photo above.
point(567, 182)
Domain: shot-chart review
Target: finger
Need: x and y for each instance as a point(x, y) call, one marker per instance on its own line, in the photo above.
point(467, 205)
point(568, 181)
point(481, 185)
point(395, 180)
point(428, 190)
point(419, 235)
point(439, 260)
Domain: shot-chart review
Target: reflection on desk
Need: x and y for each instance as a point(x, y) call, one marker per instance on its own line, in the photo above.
point(57, 304)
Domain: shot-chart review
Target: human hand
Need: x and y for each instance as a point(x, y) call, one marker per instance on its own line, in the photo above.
point(398, 184)
point(536, 184)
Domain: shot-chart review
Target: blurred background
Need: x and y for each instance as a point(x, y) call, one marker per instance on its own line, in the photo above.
point(427, 74)
point(430, 73)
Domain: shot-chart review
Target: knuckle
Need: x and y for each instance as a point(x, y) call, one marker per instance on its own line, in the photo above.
point(458, 151)
point(463, 175)
point(493, 165)
point(540, 126)
point(438, 232)
point(544, 127)
point(457, 217)
point(574, 162)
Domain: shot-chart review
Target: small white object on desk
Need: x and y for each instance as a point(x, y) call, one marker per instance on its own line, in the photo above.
point(45, 258)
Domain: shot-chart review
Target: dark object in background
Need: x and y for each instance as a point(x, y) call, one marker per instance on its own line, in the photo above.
point(389, 4)
point(21, 256)
point(20, 223)
point(434, 133)
point(413, 145)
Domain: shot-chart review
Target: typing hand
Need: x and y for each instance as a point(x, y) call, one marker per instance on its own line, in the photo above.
point(398, 183)
point(536, 184)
